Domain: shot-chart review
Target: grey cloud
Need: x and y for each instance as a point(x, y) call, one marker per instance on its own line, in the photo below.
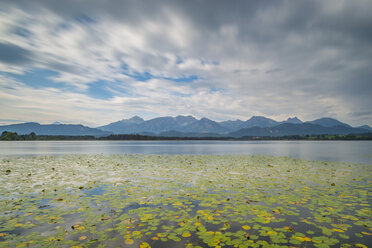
point(362, 114)
point(13, 54)
point(7, 120)
point(273, 70)
point(59, 66)
point(275, 49)
point(8, 87)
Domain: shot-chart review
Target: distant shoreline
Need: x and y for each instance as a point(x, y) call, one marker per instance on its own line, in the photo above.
point(12, 136)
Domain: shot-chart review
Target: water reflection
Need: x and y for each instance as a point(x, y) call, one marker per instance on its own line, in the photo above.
point(342, 151)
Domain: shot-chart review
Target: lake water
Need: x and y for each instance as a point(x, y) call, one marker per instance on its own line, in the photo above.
point(341, 151)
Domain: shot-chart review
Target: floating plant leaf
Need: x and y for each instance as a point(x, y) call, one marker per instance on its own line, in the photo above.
point(129, 241)
point(207, 200)
point(246, 227)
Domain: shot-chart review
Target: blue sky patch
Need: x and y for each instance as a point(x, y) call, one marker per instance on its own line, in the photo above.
point(143, 77)
point(215, 89)
point(38, 78)
point(98, 89)
point(180, 94)
point(183, 79)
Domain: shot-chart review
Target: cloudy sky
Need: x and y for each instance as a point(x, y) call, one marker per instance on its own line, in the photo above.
point(95, 62)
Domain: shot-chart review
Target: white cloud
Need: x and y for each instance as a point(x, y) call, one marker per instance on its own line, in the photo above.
point(274, 59)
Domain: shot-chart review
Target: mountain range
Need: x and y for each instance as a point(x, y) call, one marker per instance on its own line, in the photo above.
point(53, 129)
point(188, 126)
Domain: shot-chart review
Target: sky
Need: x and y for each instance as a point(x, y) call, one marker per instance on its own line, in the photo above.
point(96, 62)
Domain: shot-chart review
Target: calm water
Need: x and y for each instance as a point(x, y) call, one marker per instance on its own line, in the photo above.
point(342, 151)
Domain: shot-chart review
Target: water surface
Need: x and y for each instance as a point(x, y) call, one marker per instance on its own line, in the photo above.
point(192, 201)
point(340, 151)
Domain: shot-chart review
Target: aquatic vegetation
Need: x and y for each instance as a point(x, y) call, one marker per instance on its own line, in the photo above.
point(183, 201)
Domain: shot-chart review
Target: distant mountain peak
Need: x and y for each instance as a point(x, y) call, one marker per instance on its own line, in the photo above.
point(294, 120)
point(184, 120)
point(366, 127)
point(258, 117)
point(326, 119)
point(260, 121)
point(185, 116)
point(204, 119)
point(135, 119)
point(328, 122)
point(57, 123)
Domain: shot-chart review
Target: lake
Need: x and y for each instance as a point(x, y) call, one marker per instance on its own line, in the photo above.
point(192, 201)
point(340, 151)
point(166, 194)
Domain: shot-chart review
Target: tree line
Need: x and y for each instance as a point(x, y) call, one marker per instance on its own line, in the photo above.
point(32, 136)
point(8, 136)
